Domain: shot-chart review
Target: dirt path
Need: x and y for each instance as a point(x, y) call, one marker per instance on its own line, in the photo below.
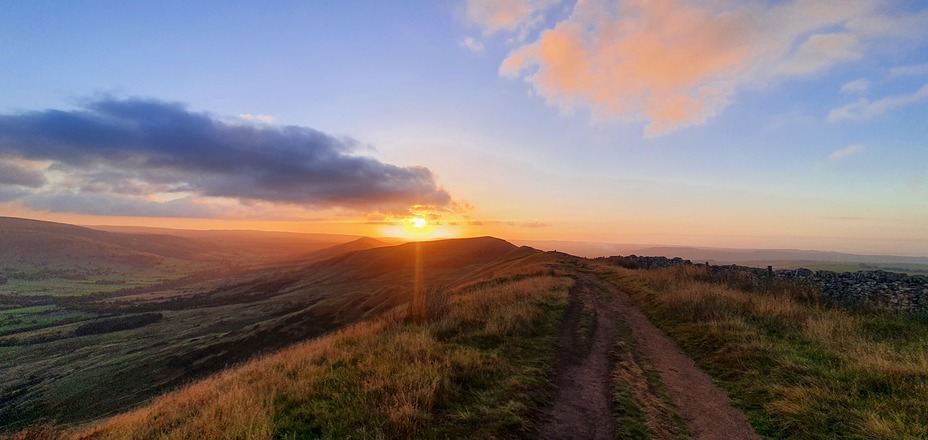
point(705, 408)
point(582, 406)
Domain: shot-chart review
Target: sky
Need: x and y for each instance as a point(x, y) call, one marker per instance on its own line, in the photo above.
point(748, 124)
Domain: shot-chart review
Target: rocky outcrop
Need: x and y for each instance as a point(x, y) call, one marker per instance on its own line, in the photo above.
point(873, 288)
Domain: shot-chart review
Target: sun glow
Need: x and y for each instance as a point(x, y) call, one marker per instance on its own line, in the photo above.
point(418, 222)
point(417, 228)
point(420, 227)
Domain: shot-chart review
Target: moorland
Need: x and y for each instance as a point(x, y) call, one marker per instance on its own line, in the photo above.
point(145, 333)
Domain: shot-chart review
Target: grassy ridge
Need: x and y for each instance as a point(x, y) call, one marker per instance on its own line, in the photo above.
point(799, 369)
point(478, 368)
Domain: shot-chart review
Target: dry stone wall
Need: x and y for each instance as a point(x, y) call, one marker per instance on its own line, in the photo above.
point(872, 288)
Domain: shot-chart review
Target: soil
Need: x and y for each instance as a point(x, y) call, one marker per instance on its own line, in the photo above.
point(582, 405)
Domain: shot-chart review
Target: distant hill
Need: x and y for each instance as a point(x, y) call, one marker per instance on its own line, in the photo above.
point(360, 244)
point(271, 244)
point(34, 242)
point(741, 255)
point(42, 258)
point(583, 248)
point(784, 257)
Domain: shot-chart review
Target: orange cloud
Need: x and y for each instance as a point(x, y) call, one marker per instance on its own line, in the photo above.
point(676, 63)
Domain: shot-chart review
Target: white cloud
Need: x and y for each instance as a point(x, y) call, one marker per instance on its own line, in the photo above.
point(259, 118)
point(865, 109)
point(471, 44)
point(848, 151)
point(856, 86)
point(678, 63)
point(915, 70)
point(822, 51)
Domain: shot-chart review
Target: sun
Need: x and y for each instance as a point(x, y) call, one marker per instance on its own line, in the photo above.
point(419, 226)
point(418, 222)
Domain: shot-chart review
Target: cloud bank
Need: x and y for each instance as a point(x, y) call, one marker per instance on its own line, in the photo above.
point(678, 63)
point(122, 152)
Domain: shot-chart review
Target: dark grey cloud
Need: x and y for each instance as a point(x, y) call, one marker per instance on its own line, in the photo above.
point(136, 145)
point(11, 193)
point(115, 205)
point(12, 174)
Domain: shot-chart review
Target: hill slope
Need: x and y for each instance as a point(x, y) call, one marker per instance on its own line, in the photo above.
point(471, 368)
point(34, 242)
point(46, 258)
point(270, 245)
point(48, 374)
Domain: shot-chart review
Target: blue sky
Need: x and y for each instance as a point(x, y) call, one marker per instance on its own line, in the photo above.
point(799, 124)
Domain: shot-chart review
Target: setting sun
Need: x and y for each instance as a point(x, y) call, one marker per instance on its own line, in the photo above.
point(418, 222)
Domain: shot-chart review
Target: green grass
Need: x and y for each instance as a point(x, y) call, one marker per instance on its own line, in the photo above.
point(631, 420)
point(644, 409)
point(36, 317)
point(63, 281)
point(798, 369)
point(60, 287)
point(28, 310)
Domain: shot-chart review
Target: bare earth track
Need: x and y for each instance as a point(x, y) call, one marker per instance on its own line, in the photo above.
point(582, 406)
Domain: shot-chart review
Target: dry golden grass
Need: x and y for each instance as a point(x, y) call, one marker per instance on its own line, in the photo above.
point(237, 403)
point(501, 309)
point(380, 379)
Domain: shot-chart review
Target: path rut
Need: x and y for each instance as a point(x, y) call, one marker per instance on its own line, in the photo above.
point(582, 406)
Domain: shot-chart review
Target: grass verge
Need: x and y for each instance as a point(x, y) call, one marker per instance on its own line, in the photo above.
point(799, 369)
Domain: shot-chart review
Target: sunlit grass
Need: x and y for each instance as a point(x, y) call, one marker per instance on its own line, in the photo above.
point(799, 369)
